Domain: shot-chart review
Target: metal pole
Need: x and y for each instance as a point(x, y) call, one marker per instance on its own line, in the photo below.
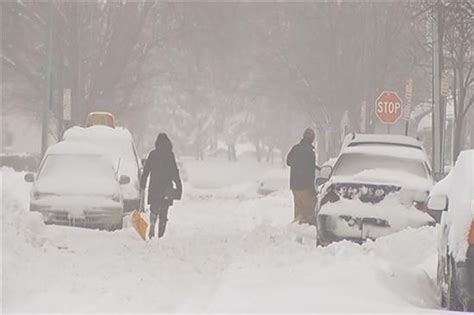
point(49, 72)
point(436, 121)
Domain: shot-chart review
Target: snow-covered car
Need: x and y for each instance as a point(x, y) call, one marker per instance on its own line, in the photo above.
point(375, 188)
point(454, 197)
point(77, 185)
point(118, 144)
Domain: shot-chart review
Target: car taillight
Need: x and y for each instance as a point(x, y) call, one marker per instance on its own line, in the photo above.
point(331, 196)
point(420, 206)
point(36, 195)
point(471, 234)
point(116, 197)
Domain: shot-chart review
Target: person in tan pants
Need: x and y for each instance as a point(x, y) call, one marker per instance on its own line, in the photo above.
point(301, 159)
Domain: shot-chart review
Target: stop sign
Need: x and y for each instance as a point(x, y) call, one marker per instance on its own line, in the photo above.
point(388, 107)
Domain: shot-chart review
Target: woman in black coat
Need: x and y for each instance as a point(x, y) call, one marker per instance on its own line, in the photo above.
point(161, 164)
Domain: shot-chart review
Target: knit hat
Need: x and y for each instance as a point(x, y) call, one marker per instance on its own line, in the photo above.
point(309, 135)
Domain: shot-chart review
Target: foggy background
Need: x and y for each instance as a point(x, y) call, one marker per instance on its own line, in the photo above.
point(228, 73)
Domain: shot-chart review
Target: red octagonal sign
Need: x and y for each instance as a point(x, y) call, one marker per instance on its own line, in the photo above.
point(388, 107)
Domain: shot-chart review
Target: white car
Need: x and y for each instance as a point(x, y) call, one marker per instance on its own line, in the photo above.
point(77, 185)
point(454, 198)
point(118, 144)
point(375, 188)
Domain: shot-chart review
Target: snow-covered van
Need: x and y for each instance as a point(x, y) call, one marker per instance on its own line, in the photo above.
point(454, 197)
point(118, 144)
point(77, 185)
point(377, 186)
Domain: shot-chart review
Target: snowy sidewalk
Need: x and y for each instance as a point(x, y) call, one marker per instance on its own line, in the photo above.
point(226, 250)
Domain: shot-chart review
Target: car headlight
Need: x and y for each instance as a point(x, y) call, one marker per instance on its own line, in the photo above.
point(35, 195)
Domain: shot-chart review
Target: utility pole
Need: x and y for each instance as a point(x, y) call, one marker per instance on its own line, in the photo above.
point(49, 73)
point(438, 110)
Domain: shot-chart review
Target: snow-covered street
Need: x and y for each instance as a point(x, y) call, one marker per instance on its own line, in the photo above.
point(227, 249)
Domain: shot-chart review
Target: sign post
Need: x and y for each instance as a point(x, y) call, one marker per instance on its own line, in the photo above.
point(363, 117)
point(67, 104)
point(388, 108)
point(407, 107)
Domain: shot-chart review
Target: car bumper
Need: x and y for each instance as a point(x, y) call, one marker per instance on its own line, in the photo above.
point(91, 218)
point(345, 227)
point(130, 204)
point(464, 273)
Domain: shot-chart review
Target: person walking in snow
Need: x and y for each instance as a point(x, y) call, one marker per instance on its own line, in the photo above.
point(163, 170)
point(301, 159)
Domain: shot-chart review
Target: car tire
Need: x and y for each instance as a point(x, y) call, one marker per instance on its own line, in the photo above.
point(453, 303)
point(114, 227)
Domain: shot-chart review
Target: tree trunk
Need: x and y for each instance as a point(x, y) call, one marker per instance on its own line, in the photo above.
point(458, 135)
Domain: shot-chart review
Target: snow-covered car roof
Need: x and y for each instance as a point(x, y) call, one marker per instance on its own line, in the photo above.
point(357, 139)
point(388, 150)
point(97, 132)
point(74, 148)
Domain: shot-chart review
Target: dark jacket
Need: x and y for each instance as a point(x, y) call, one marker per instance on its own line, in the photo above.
point(302, 161)
point(161, 164)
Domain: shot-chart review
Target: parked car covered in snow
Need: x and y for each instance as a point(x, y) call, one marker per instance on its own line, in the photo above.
point(117, 143)
point(77, 185)
point(454, 197)
point(377, 186)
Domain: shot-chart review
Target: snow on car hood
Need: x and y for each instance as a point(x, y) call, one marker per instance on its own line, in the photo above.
point(384, 176)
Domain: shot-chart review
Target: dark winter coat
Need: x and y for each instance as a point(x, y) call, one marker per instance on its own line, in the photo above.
point(302, 161)
point(161, 164)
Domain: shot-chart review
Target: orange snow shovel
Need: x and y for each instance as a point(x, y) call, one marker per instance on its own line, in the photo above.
point(139, 223)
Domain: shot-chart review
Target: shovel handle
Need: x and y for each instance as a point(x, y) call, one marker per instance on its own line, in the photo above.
point(141, 207)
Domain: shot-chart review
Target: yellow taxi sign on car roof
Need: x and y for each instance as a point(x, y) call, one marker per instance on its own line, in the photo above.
point(100, 118)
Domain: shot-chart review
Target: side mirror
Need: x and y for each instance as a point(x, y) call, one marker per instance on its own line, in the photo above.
point(438, 203)
point(324, 175)
point(439, 176)
point(29, 177)
point(124, 180)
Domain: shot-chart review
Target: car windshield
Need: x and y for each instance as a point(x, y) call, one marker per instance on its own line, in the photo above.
point(76, 167)
point(351, 164)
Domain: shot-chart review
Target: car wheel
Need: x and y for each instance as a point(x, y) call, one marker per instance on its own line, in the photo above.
point(452, 302)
